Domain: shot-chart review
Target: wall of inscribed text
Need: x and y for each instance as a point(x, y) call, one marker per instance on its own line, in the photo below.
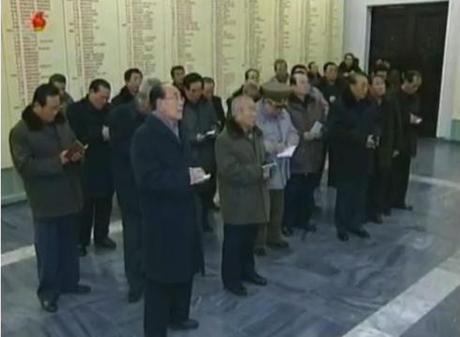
point(85, 39)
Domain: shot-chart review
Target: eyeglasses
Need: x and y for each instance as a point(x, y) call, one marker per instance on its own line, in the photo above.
point(176, 97)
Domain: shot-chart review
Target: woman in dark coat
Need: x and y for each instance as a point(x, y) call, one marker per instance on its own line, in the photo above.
point(379, 193)
point(348, 66)
point(353, 135)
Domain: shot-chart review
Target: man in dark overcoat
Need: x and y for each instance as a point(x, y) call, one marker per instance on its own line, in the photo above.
point(170, 233)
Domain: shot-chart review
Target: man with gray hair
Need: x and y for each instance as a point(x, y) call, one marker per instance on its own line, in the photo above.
point(123, 122)
point(165, 178)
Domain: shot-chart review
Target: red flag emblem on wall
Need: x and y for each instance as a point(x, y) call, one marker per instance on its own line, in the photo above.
point(38, 21)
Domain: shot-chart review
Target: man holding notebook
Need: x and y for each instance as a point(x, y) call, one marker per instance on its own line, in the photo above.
point(307, 109)
point(280, 139)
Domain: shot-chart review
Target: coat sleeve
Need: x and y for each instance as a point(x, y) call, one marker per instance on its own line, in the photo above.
point(213, 116)
point(87, 133)
point(271, 146)
point(25, 162)
point(149, 173)
point(397, 124)
point(296, 120)
point(189, 125)
point(219, 109)
point(292, 134)
point(340, 132)
point(230, 169)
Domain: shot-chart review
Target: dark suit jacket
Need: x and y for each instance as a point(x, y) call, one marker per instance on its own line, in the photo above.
point(350, 123)
point(123, 122)
point(408, 104)
point(87, 123)
point(52, 189)
point(219, 109)
point(170, 232)
point(123, 97)
point(390, 137)
point(201, 118)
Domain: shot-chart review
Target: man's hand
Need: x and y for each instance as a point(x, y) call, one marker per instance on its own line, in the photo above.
point(414, 119)
point(370, 143)
point(266, 169)
point(280, 147)
point(77, 156)
point(196, 175)
point(308, 136)
point(200, 137)
point(105, 133)
point(63, 157)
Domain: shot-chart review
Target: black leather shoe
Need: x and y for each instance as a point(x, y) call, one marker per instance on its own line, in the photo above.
point(106, 243)
point(82, 251)
point(387, 212)
point(238, 290)
point(215, 208)
point(279, 245)
point(256, 279)
point(343, 236)
point(404, 207)
point(287, 231)
point(207, 229)
point(311, 228)
point(134, 296)
point(49, 306)
point(316, 209)
point(361, 233)
point(377, 218)
point(189, 324)
point(260, 251)
point(82, 289)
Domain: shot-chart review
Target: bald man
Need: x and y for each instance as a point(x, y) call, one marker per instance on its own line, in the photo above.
point(165, 177)
point(243, 176)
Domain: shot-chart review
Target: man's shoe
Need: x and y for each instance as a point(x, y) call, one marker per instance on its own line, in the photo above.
point(189, 324)
point(311, 228)
point(82, 251)
point(256, 279)
point(215, 208)
point(279, 245)
point(287, 231)
point(361, 233)
point(342, 236)
point(82, 289)
point(377, 218)
point(49, 306)
point(134, 296)
point(260, 251)
point(106, 243)
point(238, 290)
point(207, 229)
point(316, 209)
point(404, 207)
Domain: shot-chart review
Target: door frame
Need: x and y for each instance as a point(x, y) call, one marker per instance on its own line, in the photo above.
point(356, 39)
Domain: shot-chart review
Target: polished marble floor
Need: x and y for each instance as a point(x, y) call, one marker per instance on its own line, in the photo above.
point(403, 282)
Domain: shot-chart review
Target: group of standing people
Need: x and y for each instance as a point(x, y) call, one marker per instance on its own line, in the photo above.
point(173, 156)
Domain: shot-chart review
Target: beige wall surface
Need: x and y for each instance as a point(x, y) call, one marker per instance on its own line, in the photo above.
point(86, 39)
